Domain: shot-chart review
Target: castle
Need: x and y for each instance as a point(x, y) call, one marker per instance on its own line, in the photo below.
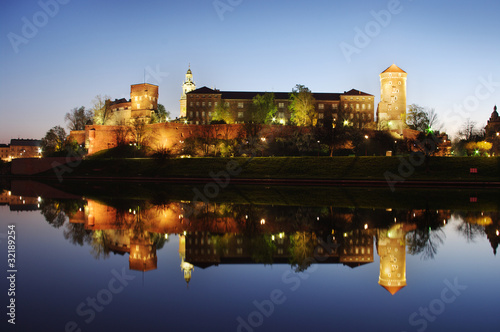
point(353, 108)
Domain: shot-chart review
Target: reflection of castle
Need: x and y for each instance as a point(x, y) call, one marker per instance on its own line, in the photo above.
point(212, 238)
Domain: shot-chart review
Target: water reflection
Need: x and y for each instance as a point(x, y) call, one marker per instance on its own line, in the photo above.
point(225, 233)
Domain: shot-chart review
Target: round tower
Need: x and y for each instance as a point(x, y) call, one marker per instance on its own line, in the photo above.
point(391, 112)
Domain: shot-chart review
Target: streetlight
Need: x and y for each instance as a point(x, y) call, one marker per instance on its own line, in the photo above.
point(366, 145)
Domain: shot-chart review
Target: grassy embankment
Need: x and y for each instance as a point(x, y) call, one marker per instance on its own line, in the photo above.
point(337, 168)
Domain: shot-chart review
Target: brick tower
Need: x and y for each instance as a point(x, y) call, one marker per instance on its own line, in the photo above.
point(391, 112)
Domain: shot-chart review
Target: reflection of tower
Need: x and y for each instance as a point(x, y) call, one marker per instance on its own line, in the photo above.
point(185, 266)
point(391, 248)
point(392, 107)
point(142, 255)
point(187, 86)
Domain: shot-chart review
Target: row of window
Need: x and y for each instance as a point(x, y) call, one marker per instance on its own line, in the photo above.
point(139, 98)
point(281, 105)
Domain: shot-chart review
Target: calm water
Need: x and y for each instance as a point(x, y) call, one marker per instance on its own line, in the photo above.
point(111, 263)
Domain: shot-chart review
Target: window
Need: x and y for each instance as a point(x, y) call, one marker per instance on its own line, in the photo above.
point(190, 103)
point(352, 116)
point(369, 106)
point(335, 106)
point(216, 104)
point(240, 105)
point(357, 106)
point(240, 115)
point(321, 106)
point(203, 104)
point(363, 107)
point(209, 104)
point(197, 103)
point(226, 104)
point(346, 106)
point(320, 116)
point(191, 114)
point(203, 113)
point(197, 113)
point(399, 83)
point(281, 105)
point(139, 106)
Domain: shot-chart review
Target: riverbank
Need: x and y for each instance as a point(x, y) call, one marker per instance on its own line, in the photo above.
point(300, 169)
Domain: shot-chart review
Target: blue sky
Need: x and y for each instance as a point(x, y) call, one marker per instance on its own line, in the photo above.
point(451, 51)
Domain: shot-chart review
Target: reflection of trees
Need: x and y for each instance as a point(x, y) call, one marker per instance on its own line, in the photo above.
point(426, 239)
point(302, 246)
point(469, 227)
point(56, 212)
point(99, 245)
point(77, 234)
point(262, 249)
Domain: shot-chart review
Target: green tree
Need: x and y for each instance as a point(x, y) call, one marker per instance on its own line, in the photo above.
point(223, 113)
point(101, 109)
point(78, 118)
point(263, 108)
point(302, 106)
point(160, 114)
point(421, 119)
point(53, 141)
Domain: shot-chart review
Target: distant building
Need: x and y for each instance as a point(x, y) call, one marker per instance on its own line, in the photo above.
point(391, 111)
point(21, 148)
point(358, 106)
point(493, 126)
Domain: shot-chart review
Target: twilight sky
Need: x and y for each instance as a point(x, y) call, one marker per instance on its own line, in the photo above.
point(60, 57)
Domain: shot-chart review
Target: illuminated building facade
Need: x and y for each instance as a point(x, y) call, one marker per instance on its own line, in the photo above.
point(142, 103)
point(358, 106)
point(21, 148)
point(198, 105)
point(391, 111)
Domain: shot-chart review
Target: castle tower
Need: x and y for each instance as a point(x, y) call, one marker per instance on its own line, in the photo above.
point(391, 248)
point(144, 100)
point(187, 86)
point(391, 112)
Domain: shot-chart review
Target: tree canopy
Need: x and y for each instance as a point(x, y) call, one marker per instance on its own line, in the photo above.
point(223, 113)
point(263, 108)
point(160, 114)
point(78, 118)
point(302, 106)
point(53, 141)
point(101, 109)
point(421, 119)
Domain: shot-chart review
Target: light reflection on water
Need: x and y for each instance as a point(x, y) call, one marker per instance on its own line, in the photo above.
point(252, 267)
